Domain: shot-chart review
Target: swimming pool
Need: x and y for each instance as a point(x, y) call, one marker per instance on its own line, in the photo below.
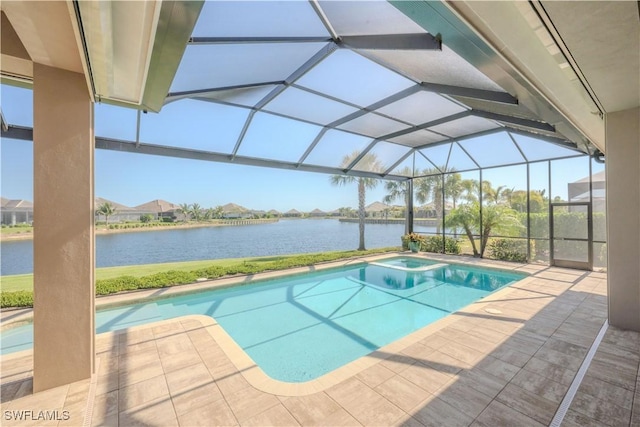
point(300, 327)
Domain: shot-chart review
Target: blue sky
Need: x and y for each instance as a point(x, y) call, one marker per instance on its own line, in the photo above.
point(133, 179)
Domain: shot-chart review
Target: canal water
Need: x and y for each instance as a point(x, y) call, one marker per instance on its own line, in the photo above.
point(190, 244)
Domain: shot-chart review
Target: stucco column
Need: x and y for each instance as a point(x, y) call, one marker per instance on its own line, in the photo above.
point(623, 217)
point(63, 245)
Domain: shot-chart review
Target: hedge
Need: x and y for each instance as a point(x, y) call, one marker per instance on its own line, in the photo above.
point(508, 250)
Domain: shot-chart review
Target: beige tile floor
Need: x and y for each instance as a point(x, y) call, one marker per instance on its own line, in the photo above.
point(508, 367)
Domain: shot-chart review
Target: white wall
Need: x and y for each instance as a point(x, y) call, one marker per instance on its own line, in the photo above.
point(623, 217)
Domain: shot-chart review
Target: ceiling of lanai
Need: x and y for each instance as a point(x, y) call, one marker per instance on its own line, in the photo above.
point(300, 85)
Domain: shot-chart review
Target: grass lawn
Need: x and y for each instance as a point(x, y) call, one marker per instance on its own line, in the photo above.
point(16, 230)
point(24, 282)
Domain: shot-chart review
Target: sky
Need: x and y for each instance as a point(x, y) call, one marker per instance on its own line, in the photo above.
point(134, 179)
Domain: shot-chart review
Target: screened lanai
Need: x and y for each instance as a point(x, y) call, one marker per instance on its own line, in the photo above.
point(356, 88)
point(304, 84)
point(425, 88)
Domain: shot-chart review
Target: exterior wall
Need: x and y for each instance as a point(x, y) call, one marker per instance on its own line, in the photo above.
point(623, 217)
point(64, 262)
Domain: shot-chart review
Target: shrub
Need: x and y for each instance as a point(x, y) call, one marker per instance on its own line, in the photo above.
point(16, 299)
point(508, 250)
point(146, 218)
point(167, 219)
point(434, 244)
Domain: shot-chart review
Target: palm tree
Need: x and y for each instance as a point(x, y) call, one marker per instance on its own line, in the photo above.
point(493, 195)
point(370, 163)
point(106, 209)
point(218, 212)
point(435, 187)
point(397, 190)
point(495, 217)
point(196, 212)
point(185, 209)
point(208, 214)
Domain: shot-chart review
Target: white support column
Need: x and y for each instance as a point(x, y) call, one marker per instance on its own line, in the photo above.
point(64, 311)
point(623, 217)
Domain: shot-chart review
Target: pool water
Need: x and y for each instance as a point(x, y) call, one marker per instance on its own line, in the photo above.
point(300, 327)
point(408, 262)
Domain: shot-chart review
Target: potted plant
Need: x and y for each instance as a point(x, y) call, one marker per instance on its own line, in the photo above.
point(414, 241)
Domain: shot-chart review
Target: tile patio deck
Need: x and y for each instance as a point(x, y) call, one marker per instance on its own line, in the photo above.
point(511, 365)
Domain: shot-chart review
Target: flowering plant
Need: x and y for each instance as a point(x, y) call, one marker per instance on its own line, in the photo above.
point(414, 237)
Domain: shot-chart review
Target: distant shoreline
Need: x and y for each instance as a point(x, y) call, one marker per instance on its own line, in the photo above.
point(101, 230)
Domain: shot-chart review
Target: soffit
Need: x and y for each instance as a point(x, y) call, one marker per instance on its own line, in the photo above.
point(46, 32)
point(604, 40)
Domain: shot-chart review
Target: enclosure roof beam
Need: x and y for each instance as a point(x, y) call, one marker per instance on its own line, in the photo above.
point(436, 122)
point(466, 92)
point(518, 121)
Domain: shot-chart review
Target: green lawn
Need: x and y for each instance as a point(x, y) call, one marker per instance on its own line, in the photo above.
point(24, 282)
point(16, 230)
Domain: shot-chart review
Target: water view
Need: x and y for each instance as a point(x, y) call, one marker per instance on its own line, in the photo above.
point(189, 244)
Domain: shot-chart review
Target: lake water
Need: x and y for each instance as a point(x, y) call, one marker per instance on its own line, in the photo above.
point(189, 244)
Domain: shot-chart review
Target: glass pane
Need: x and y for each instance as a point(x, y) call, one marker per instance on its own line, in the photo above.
point(540, 251)
point(427, 204)
point(278, 138)
point(445, 67)
point(405, 168)
point(368, 17)
point(307, 106)
point(348, 76)
point(507, 249)
point(492, 150)
point(570, 179)
point(258, 18)
point(570, 222)
point(201, 68)
point(17, 105)
point(600, 255)
point(418, 138)
point(538, 200)
point(115, 122)
point(537, 149)
point(384, 155)
point(461, 192)
point(459, 161)
point(502, 183)
point(438, 155)
point(194, 124)
point(246, 96)
point(568, 250)
point(415, 162)
point(373, 125)
point(506, 189)
point(16, 170)
point(599, 199)
point(334, 146)
point(421, 107)
point(464, 126)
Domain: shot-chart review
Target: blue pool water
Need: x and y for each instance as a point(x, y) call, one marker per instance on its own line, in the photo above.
point(408, 263)
point(300, 327)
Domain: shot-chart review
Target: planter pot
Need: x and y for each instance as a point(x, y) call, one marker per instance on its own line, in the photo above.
point(414, 246)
